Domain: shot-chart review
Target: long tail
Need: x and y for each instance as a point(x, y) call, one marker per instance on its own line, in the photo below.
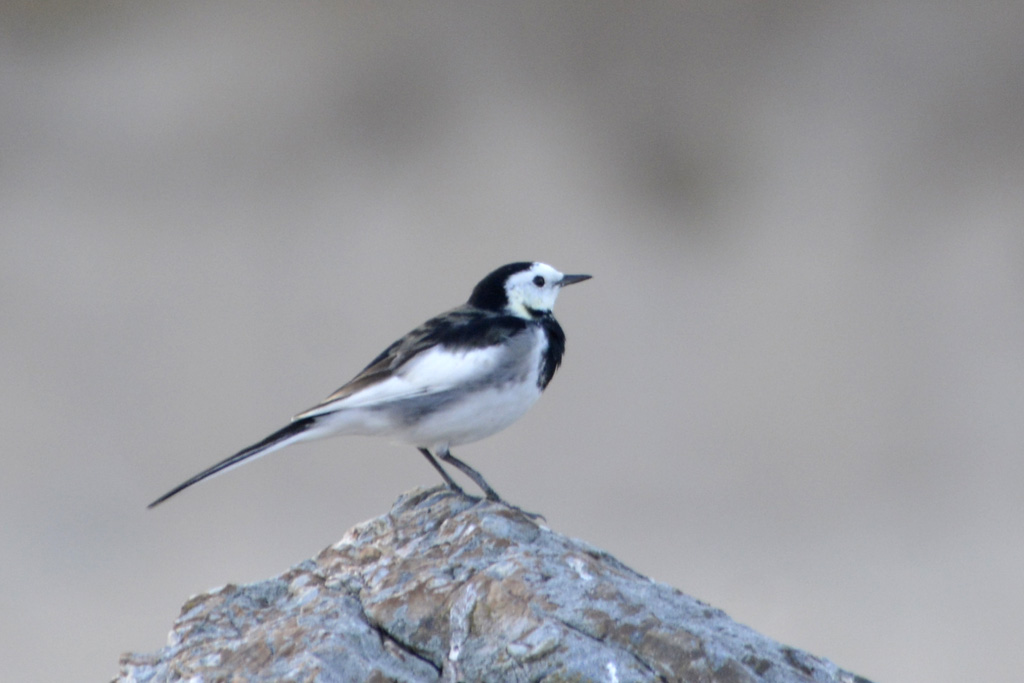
point(281, 437)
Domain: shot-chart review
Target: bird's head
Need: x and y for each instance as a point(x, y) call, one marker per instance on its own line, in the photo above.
point(526, 290)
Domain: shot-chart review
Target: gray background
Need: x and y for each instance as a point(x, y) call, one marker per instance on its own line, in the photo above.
point(793, 389)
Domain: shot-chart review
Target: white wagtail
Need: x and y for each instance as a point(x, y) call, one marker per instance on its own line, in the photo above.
point(455, 379)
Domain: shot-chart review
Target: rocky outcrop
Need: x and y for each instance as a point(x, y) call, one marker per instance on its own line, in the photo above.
point(448, 588)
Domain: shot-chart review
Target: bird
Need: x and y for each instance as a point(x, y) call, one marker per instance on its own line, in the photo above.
point(460, 377)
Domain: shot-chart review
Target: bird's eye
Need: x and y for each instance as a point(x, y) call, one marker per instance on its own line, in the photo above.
point(539, 281)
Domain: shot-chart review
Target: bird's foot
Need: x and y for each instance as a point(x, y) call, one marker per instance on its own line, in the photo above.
point(455, 488)
point(515, 508)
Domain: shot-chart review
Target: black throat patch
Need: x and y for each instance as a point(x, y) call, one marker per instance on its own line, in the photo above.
point(556, 349)
point(536, 314)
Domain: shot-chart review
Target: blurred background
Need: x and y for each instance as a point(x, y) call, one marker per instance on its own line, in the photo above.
point(793, 389)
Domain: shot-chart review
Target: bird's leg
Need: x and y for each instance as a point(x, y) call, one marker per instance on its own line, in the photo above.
point(444, 475)
point(492, 495)
point(446, 455)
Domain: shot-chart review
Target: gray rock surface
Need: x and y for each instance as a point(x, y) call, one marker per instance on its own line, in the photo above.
point(448, 588)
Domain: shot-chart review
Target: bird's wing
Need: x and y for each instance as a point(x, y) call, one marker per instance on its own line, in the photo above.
point(448, 350)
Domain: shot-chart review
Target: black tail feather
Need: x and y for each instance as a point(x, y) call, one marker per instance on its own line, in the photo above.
point(287, 432)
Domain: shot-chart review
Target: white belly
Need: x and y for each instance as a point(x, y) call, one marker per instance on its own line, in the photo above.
point(475, 417)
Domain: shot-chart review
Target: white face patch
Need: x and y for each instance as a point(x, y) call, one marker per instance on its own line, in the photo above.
point(534, 289)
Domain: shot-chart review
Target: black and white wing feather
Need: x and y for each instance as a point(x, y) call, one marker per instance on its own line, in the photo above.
point(446, 351)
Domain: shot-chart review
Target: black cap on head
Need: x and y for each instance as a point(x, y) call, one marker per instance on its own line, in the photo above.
point(489, 293)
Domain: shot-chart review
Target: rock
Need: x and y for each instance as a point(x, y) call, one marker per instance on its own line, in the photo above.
point(450, 588)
